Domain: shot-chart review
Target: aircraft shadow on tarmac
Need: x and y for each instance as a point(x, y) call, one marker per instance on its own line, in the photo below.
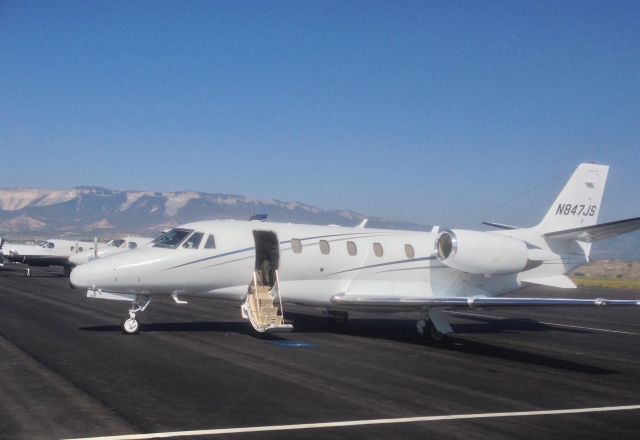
point(174, 327)
point(404, 331)
point(399, 330)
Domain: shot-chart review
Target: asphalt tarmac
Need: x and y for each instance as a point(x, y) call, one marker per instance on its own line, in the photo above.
point(66, 371)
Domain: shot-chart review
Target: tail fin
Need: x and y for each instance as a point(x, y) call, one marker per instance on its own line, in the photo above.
point(579, 202)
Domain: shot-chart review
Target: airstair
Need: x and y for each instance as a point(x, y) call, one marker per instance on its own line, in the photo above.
point(263, 305)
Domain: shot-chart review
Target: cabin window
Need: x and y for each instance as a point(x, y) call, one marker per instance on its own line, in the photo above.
point(352, 249)
point(408, 249)
point(324, 247)
point(80, 249)
point(193, 241)
point(377, 249)
point(72, 248)
point(210, 243)
point(296, 245)
point(133, 245)
point(172, 239)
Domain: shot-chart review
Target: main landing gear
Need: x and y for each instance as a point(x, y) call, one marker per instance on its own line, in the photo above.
point(434, 327)
point(129, 324)
point(429, 332)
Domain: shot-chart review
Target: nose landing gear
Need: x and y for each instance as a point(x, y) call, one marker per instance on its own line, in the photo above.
point(129, 324)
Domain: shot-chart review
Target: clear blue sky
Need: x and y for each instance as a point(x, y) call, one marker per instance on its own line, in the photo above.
point(432, 112)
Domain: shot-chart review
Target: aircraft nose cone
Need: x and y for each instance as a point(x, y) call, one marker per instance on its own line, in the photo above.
point(80, 277)
point(76, 260)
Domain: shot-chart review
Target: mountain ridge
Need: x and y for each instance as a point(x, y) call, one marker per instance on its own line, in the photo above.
point(87, 211)
point(98, 210)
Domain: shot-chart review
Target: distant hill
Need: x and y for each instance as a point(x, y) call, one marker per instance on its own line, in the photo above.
point(90, 211)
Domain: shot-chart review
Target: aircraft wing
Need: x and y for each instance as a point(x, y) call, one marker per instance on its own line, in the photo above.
point(598, 232)
point(404, 303)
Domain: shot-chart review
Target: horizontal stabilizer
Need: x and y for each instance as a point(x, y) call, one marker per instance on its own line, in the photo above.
point(589, 234)
point(561, 281)
point(472, 302)
point(499, 225)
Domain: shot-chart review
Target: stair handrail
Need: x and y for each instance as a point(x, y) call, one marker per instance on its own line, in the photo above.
point(255, 293)
point(278, 293)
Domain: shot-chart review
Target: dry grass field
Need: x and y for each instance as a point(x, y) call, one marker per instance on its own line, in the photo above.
point(608, 274)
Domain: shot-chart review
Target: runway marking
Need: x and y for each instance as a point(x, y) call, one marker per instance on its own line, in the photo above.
point(361, 423)
point(556, 324)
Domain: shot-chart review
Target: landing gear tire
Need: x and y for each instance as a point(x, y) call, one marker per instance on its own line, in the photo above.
point(430, 334)
point(129, 325)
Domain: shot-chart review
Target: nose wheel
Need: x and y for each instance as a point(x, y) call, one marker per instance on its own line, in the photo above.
point(129, 324)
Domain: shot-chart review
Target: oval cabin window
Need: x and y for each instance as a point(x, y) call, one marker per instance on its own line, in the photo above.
point(296, 245)
point(408, 249)
point(377, 249)
point(352, 249)
point(324, 247)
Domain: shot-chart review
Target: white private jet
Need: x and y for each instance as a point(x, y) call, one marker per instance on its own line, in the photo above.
point(265, 266)
point(53, 252)
point(113, 247)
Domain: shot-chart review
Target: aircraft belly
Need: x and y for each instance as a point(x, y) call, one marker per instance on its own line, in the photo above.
point(311, 292)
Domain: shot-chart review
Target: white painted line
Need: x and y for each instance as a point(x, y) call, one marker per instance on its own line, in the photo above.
point(556, 324)
point(362, 423)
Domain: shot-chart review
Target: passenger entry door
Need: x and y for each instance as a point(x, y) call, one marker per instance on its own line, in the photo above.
point(267, 256)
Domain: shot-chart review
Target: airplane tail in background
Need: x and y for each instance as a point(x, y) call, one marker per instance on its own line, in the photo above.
point(578, 205)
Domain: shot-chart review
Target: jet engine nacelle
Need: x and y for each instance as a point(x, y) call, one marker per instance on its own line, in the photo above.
point(481, 252)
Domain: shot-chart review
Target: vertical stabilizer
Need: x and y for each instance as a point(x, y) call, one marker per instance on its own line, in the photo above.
point(579, 202)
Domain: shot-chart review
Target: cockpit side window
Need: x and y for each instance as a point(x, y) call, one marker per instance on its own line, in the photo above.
point(50, 245)
point(210, 243)
point(133, 245)
point(172, 239)
point(193, 241)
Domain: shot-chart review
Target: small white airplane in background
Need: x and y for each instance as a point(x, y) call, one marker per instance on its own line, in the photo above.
point(113, 247)
point(53, 252)
point(265, 266)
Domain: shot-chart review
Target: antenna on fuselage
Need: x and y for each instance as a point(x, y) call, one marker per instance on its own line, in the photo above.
point(362, 223)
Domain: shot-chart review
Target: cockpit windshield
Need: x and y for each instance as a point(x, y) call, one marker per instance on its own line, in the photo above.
point(117, 243)
point(172, 238)
point(193, 241)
